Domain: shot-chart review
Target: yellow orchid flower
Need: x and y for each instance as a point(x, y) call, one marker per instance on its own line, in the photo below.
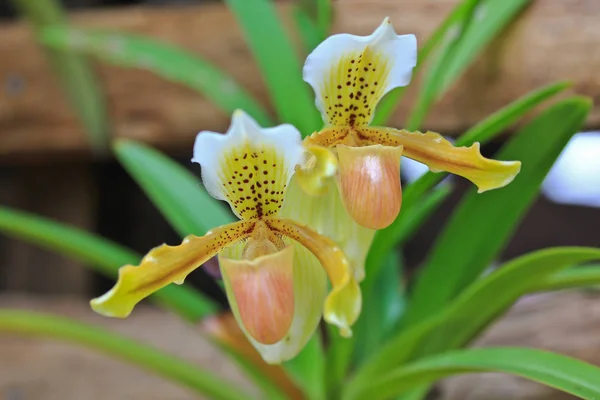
point(350, 75)
point(274, 269)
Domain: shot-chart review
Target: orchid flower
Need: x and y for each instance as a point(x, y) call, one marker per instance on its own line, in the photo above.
point(350, 75)
point(274, 269)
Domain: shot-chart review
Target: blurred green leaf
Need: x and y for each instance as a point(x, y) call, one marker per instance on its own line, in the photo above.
point(324, 17)
point(483, 132)
point(486, 299)
point(307, 29)
point(74, 73)
point(483, 223)
point(278, 63)
point(176, 192)
point(165, 60)
point(307, 369)
point(198, 380)
point(564, 373)
point(388, 104)
point(101, 254)
point(489, 297)
point(338, 360)
point(579, 277)
point(400, 230)
point(480, 22)
point(382, 309)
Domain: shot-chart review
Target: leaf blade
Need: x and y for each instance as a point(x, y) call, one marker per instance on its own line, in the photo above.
point(278, 63)
point(174, 190)
point(198, 380)
point(77, 78)
point(564, 373)
point(165, 60)
point(461, 256)
point(99, 253)
point(482, 302)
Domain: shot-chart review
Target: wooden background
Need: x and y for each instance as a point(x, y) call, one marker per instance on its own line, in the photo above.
point(46, 168)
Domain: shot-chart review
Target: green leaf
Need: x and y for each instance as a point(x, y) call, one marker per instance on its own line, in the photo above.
point(307, 369)
point(175, 191)
point(479, 23)
point(431, 85)
point(504, 118)
point(580, 277)
point(388, 104)
point(460, 253)
point(490, 17)
point(101, 254)
point(564, 373)
point(483, 132)
point(132, 351)
point(324, 17)
point(74, 73)
point(278, 63)
point(400, 230)
point(482, 302)
point(306, 28)
point(165, 60)
point(382, 309)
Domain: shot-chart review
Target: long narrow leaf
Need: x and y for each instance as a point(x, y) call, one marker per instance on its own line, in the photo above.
point(580, 277)
point(307, 369)
point(176, 192)
point(382, 309)
point(182, 372)
point(564, 373)
point(462, 253)
point(76, 76)
point(483, 132)
point(101, 254)
point(394, 235)
point(431, 87)
point(485, 300)
point(165, 60)
point(386, 107)
point(278, 63)
point(485, 20)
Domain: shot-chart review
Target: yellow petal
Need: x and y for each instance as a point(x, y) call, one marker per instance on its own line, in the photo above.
point(263, 289)
point(327, 215)
point(350, 74)
point(369, 182)
point(249, 166)
point(164, 265)
point(320, 165)
point(343, 304)
point(440, 155)
point(225, 331)
point(310, 290)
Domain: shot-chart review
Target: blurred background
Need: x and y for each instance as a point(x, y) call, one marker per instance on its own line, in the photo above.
point(46, 166)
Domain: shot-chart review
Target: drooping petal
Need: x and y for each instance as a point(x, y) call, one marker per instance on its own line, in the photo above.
point(225, 330)
point(343, 304)
point(320, 164)
point(310, 290)
point(350, 74)
point(263, 289)
point(369, 181)
point(440, 155)
point(327, 215)
point(164, 265)
point(249, 166)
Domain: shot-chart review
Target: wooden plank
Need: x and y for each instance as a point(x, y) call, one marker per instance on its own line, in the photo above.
point(553, 40)
point(63, 192)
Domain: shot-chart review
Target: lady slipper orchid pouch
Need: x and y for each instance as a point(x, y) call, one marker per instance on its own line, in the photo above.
point(275, 270)
point(350, 75)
